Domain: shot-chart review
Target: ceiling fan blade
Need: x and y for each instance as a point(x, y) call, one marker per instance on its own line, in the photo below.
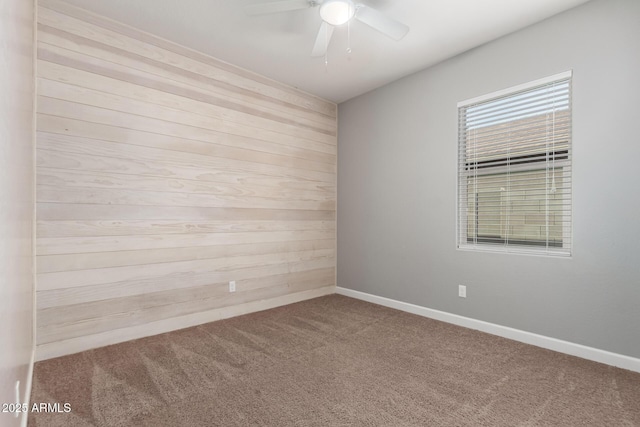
point(276, 7)
point(381, 22)
point(322, 40)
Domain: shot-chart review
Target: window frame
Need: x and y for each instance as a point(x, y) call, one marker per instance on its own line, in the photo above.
point(530, 248)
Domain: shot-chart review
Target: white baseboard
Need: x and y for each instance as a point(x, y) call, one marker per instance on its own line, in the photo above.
point(76, 345)
point(27, 390)
point(579, 350)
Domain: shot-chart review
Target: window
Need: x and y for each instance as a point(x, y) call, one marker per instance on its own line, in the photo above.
point(514, 169)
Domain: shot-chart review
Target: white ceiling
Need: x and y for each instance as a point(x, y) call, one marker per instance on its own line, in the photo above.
point(279, 45)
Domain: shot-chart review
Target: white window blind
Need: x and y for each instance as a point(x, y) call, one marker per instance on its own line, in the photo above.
point(514, 169)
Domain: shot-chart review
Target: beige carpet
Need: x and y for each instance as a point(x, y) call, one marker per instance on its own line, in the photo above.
point(332, 361)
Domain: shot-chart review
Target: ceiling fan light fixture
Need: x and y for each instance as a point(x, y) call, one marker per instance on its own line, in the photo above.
point(337, 12)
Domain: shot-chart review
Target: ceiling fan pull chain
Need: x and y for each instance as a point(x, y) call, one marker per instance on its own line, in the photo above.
point(326, 52)
point(349, 37)
point(326, 62)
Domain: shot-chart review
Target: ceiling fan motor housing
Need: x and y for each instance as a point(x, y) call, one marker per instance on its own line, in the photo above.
point(337, 12)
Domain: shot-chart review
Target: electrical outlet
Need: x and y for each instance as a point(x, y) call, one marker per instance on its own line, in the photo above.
point(232, 286)
point(462, 291)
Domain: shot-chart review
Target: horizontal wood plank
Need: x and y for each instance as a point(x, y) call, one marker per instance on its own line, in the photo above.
point(101, 196)
point(71, 178)
point(75, 245)
point(94, 260)
point(129, 227)
point(60, 211)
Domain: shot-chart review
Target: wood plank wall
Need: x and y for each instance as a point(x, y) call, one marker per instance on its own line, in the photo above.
point(163, 174)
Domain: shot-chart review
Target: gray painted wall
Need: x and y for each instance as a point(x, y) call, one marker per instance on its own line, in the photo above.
point(397, 185)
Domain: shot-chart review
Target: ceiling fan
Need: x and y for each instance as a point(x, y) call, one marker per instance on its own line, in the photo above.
point(334, 13)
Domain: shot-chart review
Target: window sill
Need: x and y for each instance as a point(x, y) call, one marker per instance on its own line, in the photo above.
point(513, 250)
